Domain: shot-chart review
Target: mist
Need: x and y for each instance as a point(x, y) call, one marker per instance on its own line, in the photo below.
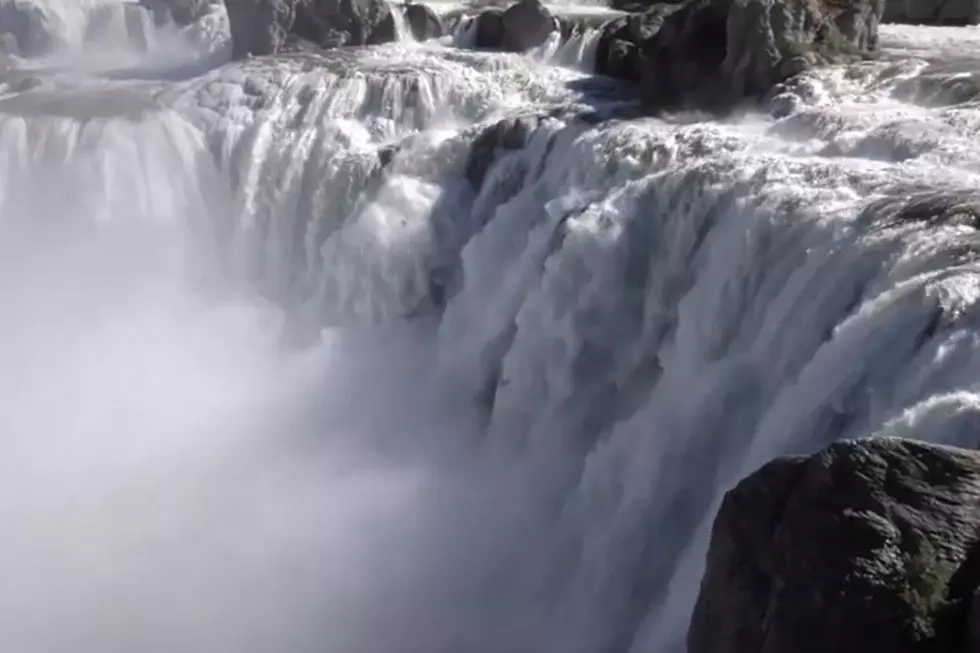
point(177, 478)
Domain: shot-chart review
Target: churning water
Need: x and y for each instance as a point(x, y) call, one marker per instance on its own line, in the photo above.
point(410, 349)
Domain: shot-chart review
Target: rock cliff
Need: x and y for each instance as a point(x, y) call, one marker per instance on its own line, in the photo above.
point(871, 545)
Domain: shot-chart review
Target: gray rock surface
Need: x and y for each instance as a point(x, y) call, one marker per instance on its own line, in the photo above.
point(933, 12)
point(260, 27)
point(871, 545)
point(711, 53)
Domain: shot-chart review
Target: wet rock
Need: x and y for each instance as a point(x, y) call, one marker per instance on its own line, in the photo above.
point(522, 26)
point(424, 23)
point(185, 12)
point(344, 22)
point(385, 32)
point(870, 545)
point(526, 25)
point(489, 29)
point(619, 51)
point(711, 53)
point(260, 27)
point(506, 135)
point(933, 12)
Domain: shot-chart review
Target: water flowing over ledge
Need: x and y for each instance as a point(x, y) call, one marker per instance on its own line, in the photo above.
point(418, 348)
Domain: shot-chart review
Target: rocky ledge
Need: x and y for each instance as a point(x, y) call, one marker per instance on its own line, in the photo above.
point(870, 545)
point(711, 53)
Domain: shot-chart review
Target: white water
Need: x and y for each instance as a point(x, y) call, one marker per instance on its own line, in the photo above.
point(519, 403)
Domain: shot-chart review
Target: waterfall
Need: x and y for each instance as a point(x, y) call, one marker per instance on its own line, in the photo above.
point(416, 348)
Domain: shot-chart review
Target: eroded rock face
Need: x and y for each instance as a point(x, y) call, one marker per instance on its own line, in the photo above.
point(933, 12)
point(260, 27)
point(871, 545)
point(713, 52)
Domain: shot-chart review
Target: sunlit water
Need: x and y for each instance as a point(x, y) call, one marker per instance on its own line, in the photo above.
point(279, 377)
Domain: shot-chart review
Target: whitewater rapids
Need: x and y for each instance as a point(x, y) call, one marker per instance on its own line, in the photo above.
point(293, 359)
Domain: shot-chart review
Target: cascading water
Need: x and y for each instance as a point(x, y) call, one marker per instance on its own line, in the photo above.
point(418, 349)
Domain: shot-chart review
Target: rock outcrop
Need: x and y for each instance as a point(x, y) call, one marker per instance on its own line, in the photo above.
point(933, 12)
point(871, 545)
point(710, 53)
point(524, 25)
point(260, 27)
point(423, 22)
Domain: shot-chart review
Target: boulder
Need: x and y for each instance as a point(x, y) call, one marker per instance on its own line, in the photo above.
point(424, 23)
point(522, 26)
point(710, 53)
point(870, 545)
point(489, 29)
point(526, 25)
point(933, 12)
point(260, 27)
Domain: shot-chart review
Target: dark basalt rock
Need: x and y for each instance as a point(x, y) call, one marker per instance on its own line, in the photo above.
point(260, 27)
point(522, 26)
point(871, 545)
point(344, 22)
point(424, 23)
point(489, 29)
point(933, 12)
point(619, 51)
point(526, 25)
point(711, 53)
